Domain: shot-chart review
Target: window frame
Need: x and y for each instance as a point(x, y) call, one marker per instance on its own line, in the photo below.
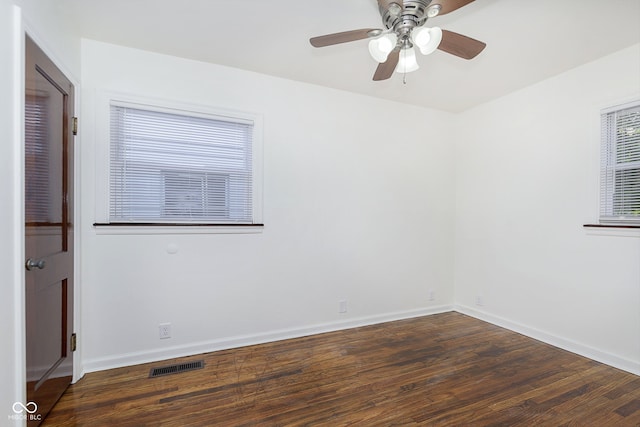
point(607, 185)
point(103, 224)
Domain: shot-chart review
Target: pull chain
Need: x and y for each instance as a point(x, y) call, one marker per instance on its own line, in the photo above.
point(404, 70)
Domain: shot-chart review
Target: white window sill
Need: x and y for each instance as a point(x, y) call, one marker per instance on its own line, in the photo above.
point(612, 230)
point(147, 229)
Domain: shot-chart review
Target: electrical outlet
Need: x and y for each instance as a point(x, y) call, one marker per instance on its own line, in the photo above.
point(432, 295)
point(479, 301)
point(342, 306)
point(164, 330)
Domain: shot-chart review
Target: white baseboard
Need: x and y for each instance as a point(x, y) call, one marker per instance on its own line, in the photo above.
point(556, 341)
point(154, 355)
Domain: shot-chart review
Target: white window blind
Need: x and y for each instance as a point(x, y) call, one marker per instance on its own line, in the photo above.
point(178, 167)
point(620, 169)
point(37, 159)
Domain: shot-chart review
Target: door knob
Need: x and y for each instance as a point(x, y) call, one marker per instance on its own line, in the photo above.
point(31, 264)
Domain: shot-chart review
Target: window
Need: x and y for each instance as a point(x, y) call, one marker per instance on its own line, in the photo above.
point(180, 167)
point(620, 169)
point(195, 195)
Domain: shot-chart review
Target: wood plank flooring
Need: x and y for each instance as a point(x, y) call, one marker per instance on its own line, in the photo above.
point(443, 370)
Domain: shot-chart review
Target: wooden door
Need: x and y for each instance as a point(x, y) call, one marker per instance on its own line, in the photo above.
point(49, 232)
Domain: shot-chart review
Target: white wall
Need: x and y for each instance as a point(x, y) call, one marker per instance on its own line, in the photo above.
point(53, 28)
point(56, 36)
point(527, 180)
point(358, 205)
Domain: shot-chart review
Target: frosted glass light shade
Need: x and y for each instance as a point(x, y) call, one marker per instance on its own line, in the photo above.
point(381, 47)
point(427, 39)
point(407, 62)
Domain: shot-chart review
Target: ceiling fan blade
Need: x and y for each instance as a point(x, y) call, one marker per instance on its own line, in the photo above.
point(343, 37)
point(386, 69)
point(450, 5)
point(459, 45)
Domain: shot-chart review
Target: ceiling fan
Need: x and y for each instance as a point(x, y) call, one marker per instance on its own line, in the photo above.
point(404, 22)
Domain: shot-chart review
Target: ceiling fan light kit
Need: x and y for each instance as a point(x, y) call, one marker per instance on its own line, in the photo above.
point(404, 20)
point(407, 62)
point(427, 39)
point(381, 47)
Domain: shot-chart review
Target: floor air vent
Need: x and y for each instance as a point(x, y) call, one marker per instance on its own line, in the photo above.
point(176, 369)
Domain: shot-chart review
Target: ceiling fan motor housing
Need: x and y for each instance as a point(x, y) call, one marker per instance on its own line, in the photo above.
point(410, 14)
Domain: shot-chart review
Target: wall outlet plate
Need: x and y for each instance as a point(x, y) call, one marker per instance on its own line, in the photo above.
point(342, 306)
point(164, 330)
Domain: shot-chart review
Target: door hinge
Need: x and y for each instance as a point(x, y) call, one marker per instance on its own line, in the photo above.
point(75, 125)
point(74, 342)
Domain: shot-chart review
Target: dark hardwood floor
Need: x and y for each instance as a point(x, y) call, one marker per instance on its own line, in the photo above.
point(443, 370)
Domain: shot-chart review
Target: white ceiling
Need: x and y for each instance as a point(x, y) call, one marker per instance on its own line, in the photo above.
point(527, 41)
